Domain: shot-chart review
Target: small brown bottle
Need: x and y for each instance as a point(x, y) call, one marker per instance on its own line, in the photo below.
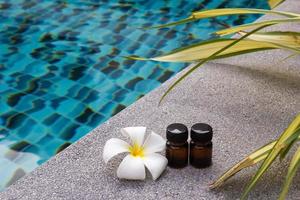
point(201, 145)
point(177, 145)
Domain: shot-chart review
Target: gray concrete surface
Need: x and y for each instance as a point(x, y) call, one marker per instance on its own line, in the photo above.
point(248, 101)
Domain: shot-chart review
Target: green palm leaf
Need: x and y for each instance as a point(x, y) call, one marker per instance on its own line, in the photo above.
point(224, 12)
point(284, 40)
point(252, 159)
point(294, 165)
point(295, 50)
point(288, 38)
point(286, 149)
point(215, 49)
point(236, 29)
point(289, 143)
point(212, 56)
point(238, 11)
point(279, 145)
point(258, 42)
point(203, 50)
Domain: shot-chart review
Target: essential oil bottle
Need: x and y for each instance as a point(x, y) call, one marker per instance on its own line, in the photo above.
point(201, 145)
point(177, 146)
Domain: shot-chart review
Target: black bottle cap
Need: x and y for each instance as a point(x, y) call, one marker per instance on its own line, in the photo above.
point(201, 132)
point(177, 133)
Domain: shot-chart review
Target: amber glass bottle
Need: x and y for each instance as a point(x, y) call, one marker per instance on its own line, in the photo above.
point(201, 145)
point(177, 145)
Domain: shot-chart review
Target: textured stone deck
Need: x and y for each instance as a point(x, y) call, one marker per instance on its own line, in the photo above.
point(248, 100)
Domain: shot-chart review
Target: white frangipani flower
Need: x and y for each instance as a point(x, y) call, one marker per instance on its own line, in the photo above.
point(142, 152)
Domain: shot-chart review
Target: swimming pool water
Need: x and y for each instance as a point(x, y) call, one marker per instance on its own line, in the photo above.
point(62, 72)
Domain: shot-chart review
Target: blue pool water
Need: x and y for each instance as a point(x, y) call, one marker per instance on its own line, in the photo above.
point(62, 72)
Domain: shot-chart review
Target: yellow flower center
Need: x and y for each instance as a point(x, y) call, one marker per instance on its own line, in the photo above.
point(136, 150)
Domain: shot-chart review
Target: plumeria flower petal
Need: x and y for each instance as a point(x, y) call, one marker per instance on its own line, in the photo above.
point(136, 134)
point(141, 153)
point(154, 143)
point(156, 164)
point(114, 147)
point(132, 167)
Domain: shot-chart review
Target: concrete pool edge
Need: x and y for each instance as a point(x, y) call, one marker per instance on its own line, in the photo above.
point(58, 179)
